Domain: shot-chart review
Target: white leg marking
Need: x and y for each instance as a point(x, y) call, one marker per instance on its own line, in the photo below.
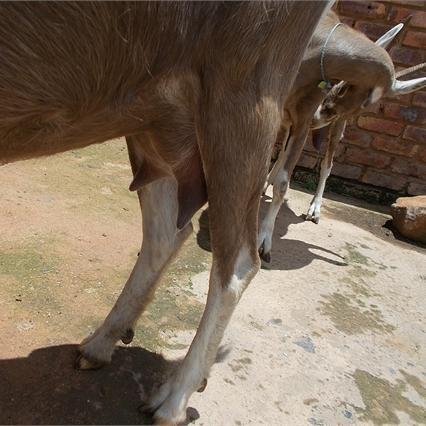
point(173, 396)
point(336, 132)
point(160, 240)
point(268, 223)
point(314, 211)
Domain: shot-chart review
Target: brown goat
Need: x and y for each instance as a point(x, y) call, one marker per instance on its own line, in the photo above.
point(362, 72)
point(74, 74)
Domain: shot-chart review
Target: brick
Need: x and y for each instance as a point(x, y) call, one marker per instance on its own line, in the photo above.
point(421, 154)
point(340, 151)
point(417, 188)
point(380, 125)
point(372, 30)
point(412, 167)
point(404, 99)
point(393, 146)
point(399, 14)
point(368, 9)
point(309, 146)
point(417, 134)
point(358, 137)
point(419, 19)
point(415, 39)
point(376, 108)
point(418, 3)
point(407, 56)
point(419, 99)
point(346, 171)
point(367, 157)
point(407, 113)
point(378, 178)
point(307, 161)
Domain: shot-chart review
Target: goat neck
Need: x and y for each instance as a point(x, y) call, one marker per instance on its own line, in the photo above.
point(349, 56)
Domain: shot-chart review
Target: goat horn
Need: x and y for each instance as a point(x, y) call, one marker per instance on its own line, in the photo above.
point(401, 87)
point(406, 71)
point(386, 38)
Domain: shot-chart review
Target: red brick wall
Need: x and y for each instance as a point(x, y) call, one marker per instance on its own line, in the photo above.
point(386, 145)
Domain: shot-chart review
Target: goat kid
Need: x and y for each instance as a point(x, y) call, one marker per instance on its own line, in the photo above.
point(364, 72)
point(75, 74)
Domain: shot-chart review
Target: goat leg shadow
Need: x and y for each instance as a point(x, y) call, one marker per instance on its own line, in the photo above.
point(43, 388)
point(286, 218)
point(287, 254)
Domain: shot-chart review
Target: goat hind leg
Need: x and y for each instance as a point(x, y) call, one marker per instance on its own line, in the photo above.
point(234, 196)
point(278, 177)
point(161, 239)
point(280, 186)
point(335, 135)
point(314, 211)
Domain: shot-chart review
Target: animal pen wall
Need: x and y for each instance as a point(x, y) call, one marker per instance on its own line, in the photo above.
point(383, 153)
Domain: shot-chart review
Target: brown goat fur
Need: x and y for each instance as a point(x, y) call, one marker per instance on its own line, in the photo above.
point(82, 73)
point(198, 89)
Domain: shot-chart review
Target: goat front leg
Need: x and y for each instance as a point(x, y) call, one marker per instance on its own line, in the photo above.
point(280, 187)
point(235, 177)
point(335, 135)
point(161, 240)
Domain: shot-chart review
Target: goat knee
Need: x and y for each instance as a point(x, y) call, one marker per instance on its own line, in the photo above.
point(281, 185)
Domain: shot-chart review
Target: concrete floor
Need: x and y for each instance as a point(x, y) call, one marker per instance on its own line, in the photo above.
point(332, 331)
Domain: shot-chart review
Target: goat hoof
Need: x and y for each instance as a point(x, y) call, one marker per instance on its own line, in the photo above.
point(128, 337)
point(83, 363)
point(312, 218)
point(266, 257)
point(203, 386)
point(145, 408)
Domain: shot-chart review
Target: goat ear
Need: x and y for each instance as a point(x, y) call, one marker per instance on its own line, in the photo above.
point(387, 38)
point(401, 87)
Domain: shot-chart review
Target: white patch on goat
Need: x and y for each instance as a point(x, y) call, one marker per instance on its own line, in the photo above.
point(314, 211)
point(161, 239)
point(317, 114)
point(376, 94)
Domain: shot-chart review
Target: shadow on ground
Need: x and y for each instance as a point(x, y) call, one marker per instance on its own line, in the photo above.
point(389, 226)
point(287, 254)
point(44, 388)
